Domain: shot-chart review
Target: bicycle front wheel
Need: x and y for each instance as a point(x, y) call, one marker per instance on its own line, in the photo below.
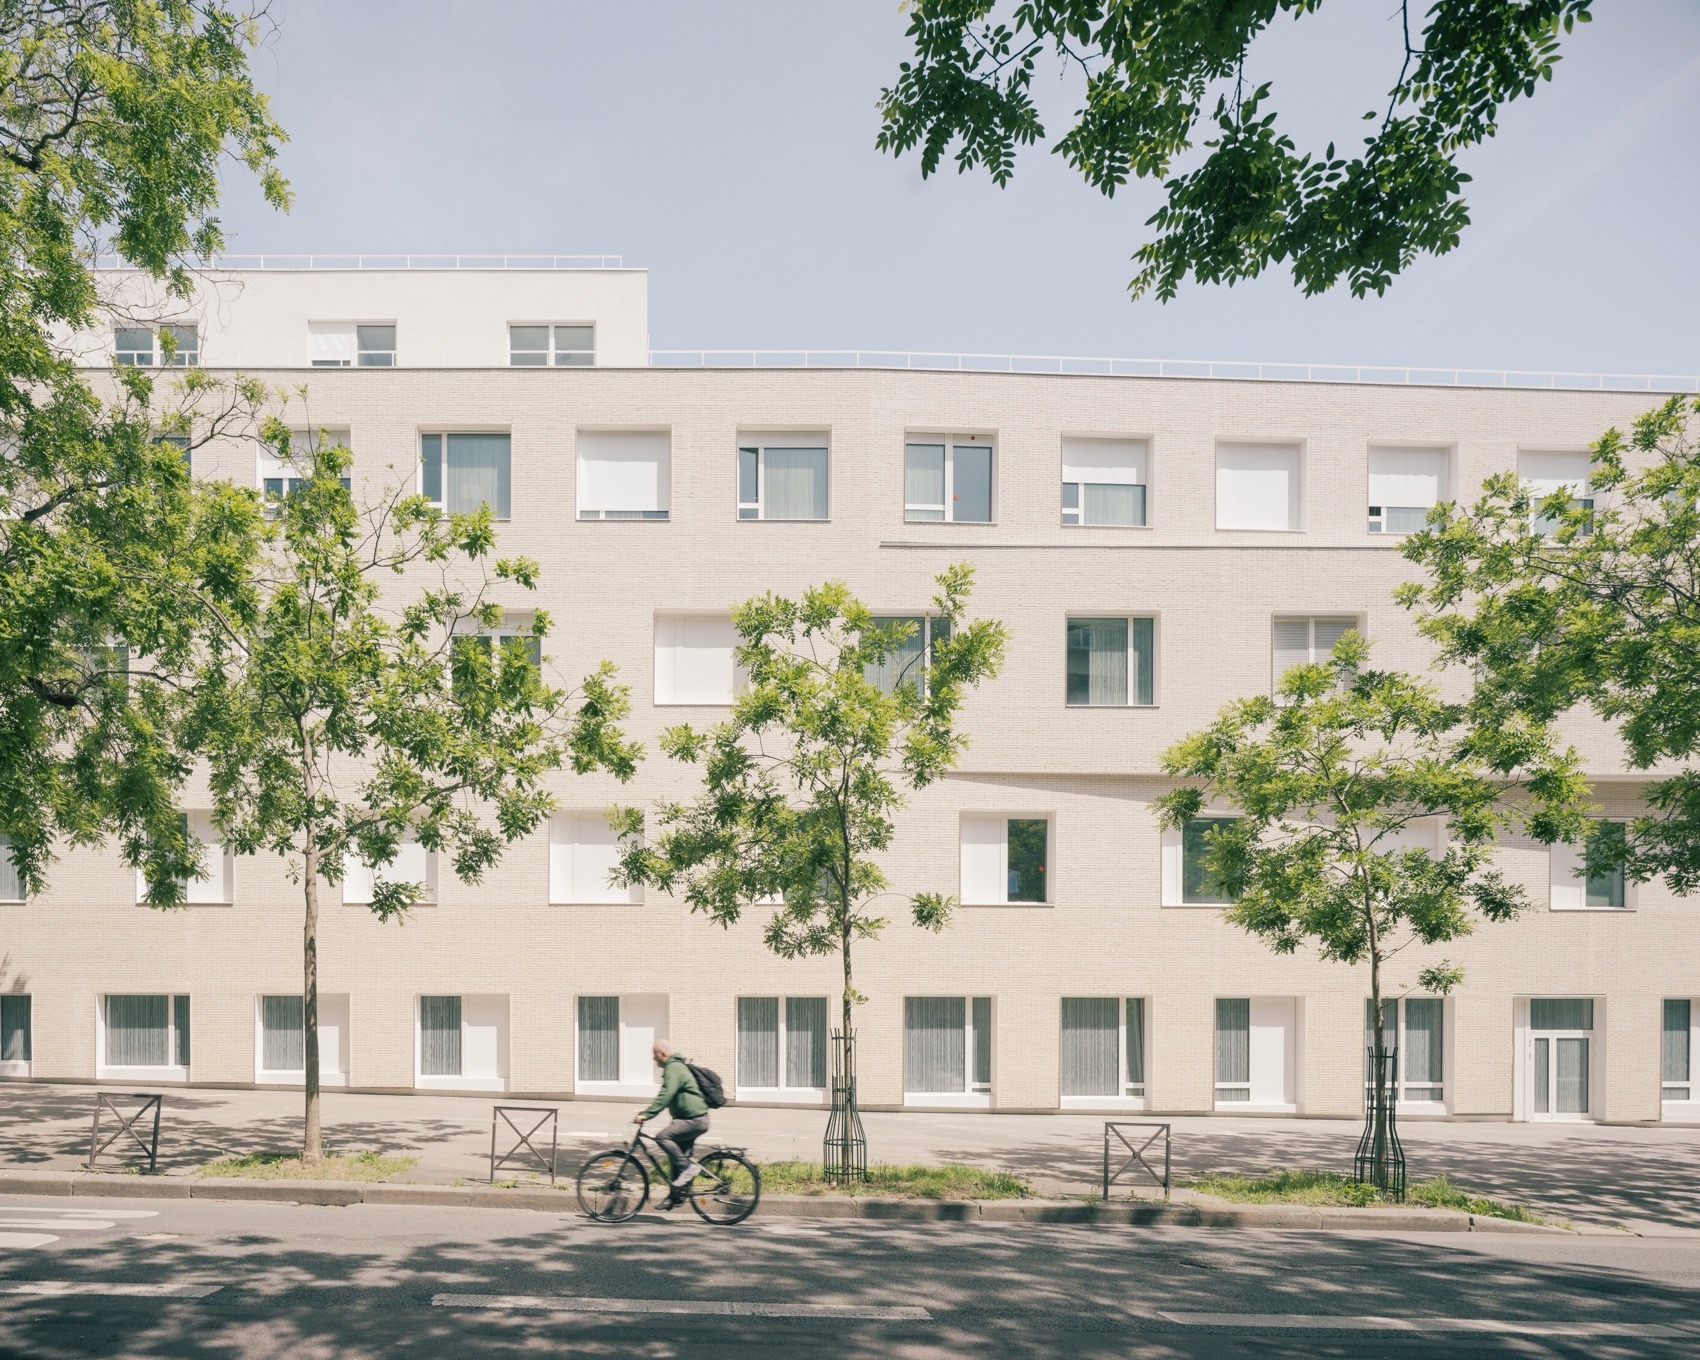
point(612, 1186)
point(727, 1189)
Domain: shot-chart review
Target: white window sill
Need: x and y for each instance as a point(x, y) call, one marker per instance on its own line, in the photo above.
point(1676, 1111)
point(1197, 906)
point(105, 1073)
point(1122, 527)
point(616, 1088)
point(1031, 905)
point(1421, 1109)
point(1561, 1119)
point(182, 906)
point(488, 1083)
point(693, 703)
point(1252, 1107)
point(1248, 529)
point(948, 1100)
point(623, 515)
point(1114, 708)
point(14, 1069)
point(299, 1079)
point(958, 523)
point(769, 519)
point(601, 902)
point(1593, 911)
point(782, 1095)
point(1129, 1103)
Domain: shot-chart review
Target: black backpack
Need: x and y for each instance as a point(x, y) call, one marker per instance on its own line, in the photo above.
point(708, 1082)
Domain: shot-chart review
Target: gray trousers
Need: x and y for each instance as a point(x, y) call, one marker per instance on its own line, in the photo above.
point(679, 1137)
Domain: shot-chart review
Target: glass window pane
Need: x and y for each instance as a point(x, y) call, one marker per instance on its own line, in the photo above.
point(1389, 1035)
point(133, 345)
point(431, 468)
point(758, 1041)
point(1543, 1076)
point(528, 338)
point(528, 358)
point(138, 1031)
point(923, 478)
point(1674, 1050)
point(934, 1044)
point(794, 484)
point(747, 461)
point(1572, 1076)
point(1136, 1041)
point(971, 484)
point(1097, 661)
point(574, 344)
point(439, 1036)
point(1114, 504)
point(1071, 495)
point(1091, 1039)
point(15, 1039)
point(599, 1038)
point(902, 664)
point(1198, 884)
point(283, 1038)
point(1561, 1013)
point(1425, 1041)
point(1404, 519)
point(380, 338)
point(180, 1028)
point(1144, 661)
point(1233, 1044)
point(982, 1040)
point(477, 473)
point(805, 1042)
point(11, 884)
point(1606, 890)
point(1027, 857)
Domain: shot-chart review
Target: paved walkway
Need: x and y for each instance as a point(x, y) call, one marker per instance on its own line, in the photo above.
point(1638, 1176)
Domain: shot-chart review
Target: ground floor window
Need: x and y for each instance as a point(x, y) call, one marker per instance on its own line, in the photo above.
point(1414, 1032)
point(462, 1042)
point(1103, 1049)
point(281, 1039)
point(615, 1036)
point(146, 1031)
point(782, 1043)
point(1560, 1057)
point(16, 1038)
point(1677, 1042)
point(1257, 1042)
point(947, 1047)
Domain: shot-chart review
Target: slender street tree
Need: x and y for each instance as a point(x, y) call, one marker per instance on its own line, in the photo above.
point(117, 122)
point(1146, 71)
point(1588, 598)
point(1356, 814)
point(842, 715)
point(355, 696)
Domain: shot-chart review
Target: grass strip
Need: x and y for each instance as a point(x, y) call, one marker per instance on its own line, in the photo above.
point(284, 1166)
point(949, 1180)
point(1334, 1190)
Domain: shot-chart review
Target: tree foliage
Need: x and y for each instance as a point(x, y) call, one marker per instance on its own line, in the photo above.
point(802, 783)
point(1149, 69)
point(351, 697)
point(1588, 601)
point(115, 119)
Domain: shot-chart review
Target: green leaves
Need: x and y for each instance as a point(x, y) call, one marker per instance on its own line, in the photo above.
point(1149, 69)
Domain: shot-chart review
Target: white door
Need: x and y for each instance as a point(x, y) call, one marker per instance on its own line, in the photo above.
point(1559, 1059)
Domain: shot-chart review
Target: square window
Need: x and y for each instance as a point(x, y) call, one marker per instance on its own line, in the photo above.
point(463, 472)
point(1260, 487)
point(783, 477)
point(947, 478)
point(1104, 482)
point(1111, 662)
point(947, 1048)
point(1005, 860)
point(374, 346)
point(906, 663)
point(1404, 484)
point(145, 1031)
point(624, 474)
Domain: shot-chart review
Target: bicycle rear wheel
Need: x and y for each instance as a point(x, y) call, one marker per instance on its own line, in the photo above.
point(612, 1186)
point(727, 1189)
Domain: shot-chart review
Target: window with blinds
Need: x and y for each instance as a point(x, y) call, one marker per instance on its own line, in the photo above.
point(1111, 662)
point(146, 1031)
point(947, 1045)
point(783, 477)
point(439, 1036)
point(906, 663)
point(16, 1034)
point(1404, 484)
point(1259, 486)
point(1307, 641)
point(1103, 1047)
point(1104, 482)
point(599, 1038)
point(283, 1034)
point(11, 882)
point(625, 474)
point(782, 1043)
point(1233, 1050)
point(1414, 1031)
point(463, 472)
point(1676, 1050)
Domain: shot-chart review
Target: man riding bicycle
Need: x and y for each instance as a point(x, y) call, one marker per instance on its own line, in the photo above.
point(681, 1097)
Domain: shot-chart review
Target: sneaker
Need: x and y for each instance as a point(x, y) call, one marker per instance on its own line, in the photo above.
point(672, 1202)
point(689, 1174)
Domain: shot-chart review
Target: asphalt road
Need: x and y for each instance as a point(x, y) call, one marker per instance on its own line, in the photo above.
point(189, 1279)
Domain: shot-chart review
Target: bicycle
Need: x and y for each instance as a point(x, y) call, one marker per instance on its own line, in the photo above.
point(613, 1185)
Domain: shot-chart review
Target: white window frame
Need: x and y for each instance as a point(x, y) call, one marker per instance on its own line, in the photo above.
point(19, 1067)
point(375, 358)
point(563, 852)
point(216, 887)
point(927, 619)
point(1406, 1105)
point(1075, 516)
point(1172, 848)
point(1676, 1110)
point(187, 354)
point(489, 1011)
point(1525, 1036)
point(272, 466)
point(784, 1093)
point(444, 433)
point(1581, 489)
point(1134, 1096)
point(1298, 507)
point(665, 621)
point(359, 878)
point(975, 1095)
point(644, 1018)
point(1292, 1057)
point(984, 442)
point(989, 818)
point(333, 1043)
point(1378, 512)
point(1563, 879)
point(554, 356)
point(1132, 670)
point(759, 443)
point(1315, 655)
point(171, 1071)
point(657, 514)
point(11, 871)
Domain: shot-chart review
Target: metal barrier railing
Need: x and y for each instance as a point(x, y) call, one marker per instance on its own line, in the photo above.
point(127, 1124)
point(1135, 1149)
point(522, 1153)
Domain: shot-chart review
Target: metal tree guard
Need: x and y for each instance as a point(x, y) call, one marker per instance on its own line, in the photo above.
point(1380, 1159)
point(844, 1150)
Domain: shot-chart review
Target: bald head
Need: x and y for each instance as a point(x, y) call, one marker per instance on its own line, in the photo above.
point(662, 1050)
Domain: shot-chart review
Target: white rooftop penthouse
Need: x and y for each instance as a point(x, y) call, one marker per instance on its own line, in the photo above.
point(381, 311)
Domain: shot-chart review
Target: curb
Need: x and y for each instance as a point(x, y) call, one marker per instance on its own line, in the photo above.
point(1140, 1214)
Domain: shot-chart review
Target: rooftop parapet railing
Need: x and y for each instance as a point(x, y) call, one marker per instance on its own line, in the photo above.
point(380, 262)
point(1216, 369)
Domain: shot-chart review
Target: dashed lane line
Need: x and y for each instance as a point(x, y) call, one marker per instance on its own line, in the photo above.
point(555, 1303)
point(113, 1289)
point(23, 1241)
point(1307, 1322)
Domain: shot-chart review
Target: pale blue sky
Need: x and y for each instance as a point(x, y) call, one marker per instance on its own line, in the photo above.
point(729, 148)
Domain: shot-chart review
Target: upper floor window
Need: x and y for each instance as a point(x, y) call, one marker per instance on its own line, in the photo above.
point(412, 863)
point(1259, 486)
point(1198, 885)
point(11, 882)
point(1104, 481)
point(584, 851)
point(624, 474)
point(215, 883)
point(1306, 641)
point(948, 477)
point(350, 344)
point(169, 346)
point(462, 472)
point(1111, 661)
point(1004, 859)
point(540, 346)
point(1547, 474)
point(280, 475)
point(1573, 888)
point(180, 442)
point(907, 662)
point(696, 659)
point(1404, 484)
point(782, 476)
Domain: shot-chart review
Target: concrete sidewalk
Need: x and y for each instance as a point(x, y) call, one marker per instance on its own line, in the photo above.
point(1639, 1177)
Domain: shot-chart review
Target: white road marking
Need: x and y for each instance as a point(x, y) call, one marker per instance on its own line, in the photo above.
point(1499, 1326)
point(22, 1240)
point(63, 1224)
point(107, 1289)
point(696, 1307)
point(786, 1230)
point(36, 1211)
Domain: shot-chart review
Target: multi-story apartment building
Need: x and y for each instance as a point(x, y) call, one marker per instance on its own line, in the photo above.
point(1156, 545)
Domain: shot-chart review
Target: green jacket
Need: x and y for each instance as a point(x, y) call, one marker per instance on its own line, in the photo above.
point(679, 1095)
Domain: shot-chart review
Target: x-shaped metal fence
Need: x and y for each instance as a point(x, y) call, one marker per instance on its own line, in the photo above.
point(1135, 1149)
point(523, 1153)
point(127, 1124)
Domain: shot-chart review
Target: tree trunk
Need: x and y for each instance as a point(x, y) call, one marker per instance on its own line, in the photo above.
point(849, 991)
point(1381, 1079)
point(312, 1139)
